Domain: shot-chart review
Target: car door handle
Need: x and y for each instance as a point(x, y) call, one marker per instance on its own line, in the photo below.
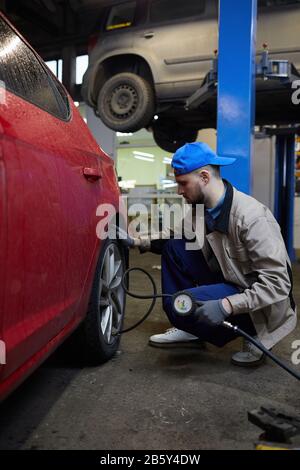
point(92, 174)
point(149, 35)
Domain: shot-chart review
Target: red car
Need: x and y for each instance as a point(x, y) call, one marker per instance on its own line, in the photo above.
point(55, 273)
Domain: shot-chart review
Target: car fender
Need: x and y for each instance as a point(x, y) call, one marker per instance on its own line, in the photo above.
point(92, 72)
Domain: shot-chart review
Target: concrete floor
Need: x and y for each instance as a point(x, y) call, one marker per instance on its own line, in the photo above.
point(148, 398)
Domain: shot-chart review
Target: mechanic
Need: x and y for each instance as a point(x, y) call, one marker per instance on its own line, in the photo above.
point(242, 273)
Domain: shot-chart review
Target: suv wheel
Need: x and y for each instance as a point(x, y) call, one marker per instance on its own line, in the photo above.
point(107, 305)
point(126, 102)
point(170, 136)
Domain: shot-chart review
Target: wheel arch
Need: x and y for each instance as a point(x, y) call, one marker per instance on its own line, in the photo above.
point(119, 63)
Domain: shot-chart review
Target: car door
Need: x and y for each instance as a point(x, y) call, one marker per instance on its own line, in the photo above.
point(81, 180)
point(179, 40)
point(33, 118)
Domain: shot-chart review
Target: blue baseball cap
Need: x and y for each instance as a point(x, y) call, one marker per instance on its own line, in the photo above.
point(192, 156)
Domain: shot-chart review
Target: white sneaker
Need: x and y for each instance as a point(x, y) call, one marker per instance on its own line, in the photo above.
point(249, 356)
point(172, 336)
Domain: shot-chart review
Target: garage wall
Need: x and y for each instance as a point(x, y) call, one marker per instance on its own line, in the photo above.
point(146, 173)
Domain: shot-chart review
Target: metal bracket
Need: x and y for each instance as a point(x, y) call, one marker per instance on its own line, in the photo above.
point(266, 69)
point(270, 69)
point(278, 426)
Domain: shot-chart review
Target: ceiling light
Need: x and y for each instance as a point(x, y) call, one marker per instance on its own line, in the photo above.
point(127, 184)
point(169, 185)
point(143, 154)
point(138, 157)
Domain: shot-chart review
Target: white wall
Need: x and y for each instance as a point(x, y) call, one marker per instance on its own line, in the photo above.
point(105, 137)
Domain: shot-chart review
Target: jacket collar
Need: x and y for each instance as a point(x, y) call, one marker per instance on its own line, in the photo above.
point(222, 221)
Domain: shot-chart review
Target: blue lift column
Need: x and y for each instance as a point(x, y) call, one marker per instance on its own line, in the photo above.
point(236, 88)
point(285, 189)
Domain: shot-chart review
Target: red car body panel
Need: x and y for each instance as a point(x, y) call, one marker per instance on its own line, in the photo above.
point(48, 243)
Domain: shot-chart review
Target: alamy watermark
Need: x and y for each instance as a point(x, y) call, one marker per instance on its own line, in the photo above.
point(296, 93)
point(295, 357)
point(153, 221)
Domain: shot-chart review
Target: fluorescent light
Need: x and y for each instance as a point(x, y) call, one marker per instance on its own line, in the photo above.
point(138, 157)
point(121, 134)
point(167, 160)
point(127, 184)
point(169, 185)
point(143, 154)
point(155, 117)
point(82, 63)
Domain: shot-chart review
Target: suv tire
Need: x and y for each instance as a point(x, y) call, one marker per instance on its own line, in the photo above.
point(126, 102)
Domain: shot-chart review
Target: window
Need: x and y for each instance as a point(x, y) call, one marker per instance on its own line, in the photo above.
point(82, 62)
point(121, 16)
point(56, 68)
point(23, 74)
point(165, 10)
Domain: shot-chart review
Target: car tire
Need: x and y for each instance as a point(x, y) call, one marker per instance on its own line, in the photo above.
point(126, 102)
point(170, 137)
point(106, 306)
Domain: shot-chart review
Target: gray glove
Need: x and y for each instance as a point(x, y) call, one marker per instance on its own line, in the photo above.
point(212, 312)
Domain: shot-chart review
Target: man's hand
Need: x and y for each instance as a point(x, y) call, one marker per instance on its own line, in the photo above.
point(124, 238)
point(212, 312)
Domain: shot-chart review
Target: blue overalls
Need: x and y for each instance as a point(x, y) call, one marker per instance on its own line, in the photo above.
point(188, 270)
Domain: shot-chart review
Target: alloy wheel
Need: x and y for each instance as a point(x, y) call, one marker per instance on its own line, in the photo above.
point(111, 300)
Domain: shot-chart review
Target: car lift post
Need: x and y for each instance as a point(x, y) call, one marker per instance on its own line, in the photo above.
point(236, 88)
point(285, 187)
point(236, 111)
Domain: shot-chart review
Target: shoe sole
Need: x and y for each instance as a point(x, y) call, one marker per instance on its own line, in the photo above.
point(184, 344)
point(249, 364)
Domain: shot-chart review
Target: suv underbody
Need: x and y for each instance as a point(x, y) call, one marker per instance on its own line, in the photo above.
point(144, 69)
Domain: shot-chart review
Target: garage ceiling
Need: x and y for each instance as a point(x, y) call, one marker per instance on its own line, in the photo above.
point(50, 24)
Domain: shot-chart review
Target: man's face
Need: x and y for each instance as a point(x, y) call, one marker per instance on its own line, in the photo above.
point(190, 187)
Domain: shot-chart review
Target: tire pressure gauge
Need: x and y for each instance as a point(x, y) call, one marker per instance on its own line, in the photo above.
point(184, 304)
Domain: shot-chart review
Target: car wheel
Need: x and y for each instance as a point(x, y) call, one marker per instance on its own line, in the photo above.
point(107, 305)
point(170, 137)
point(126, 102)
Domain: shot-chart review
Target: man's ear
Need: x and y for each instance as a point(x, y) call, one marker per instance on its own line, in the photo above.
point(205, 176)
